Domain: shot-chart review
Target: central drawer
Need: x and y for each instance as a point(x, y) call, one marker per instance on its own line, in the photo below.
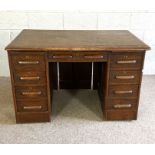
point(77, 56)
point(61, 56)
point(93, 56)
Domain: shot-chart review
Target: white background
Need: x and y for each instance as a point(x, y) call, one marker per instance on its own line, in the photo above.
point(97, 5)
point(138, 16)
point(8, 30)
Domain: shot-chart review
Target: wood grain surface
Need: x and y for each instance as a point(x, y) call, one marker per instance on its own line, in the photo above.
point(76, 40)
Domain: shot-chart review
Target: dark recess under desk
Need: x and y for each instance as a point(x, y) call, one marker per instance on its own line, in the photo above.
point(76, 75)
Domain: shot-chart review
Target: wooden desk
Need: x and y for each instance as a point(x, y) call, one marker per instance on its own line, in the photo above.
point(116, 58)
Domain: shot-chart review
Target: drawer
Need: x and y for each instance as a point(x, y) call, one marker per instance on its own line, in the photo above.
point(122, 76)
point(30, 92)
point(126, 60)
point(123, 90)
point(30, 78)
point(121, 115)
point(77, 56)
point(32, 106)
point(93, 56)
point(118, 104)
point(60, 56)
point(28, 61)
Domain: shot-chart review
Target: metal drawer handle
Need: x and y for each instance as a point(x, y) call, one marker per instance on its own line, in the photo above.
point(118, 106)
point(28, 62)
point(93, 56)
point(32, 107)
point(125, 77)
point(124, 92)
point(126, 62)
point(30, 78)
point(31, 93)
point(62, 56)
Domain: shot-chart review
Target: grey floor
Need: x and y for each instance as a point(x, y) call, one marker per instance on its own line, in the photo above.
point(77, 118)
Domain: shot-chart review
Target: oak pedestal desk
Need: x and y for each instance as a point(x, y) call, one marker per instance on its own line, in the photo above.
point(109, 60)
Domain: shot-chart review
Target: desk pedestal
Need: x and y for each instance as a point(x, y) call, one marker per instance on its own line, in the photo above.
point(117, 76)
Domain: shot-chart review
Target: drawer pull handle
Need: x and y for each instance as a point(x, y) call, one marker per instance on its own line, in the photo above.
point(31, 93)
point(30, 78)
point(125, 77)
point(118, 106)
point(28, 62)
point(126, 62)
point(32, 107)
point(124, 92)
point(93, 56)
point(62, 56)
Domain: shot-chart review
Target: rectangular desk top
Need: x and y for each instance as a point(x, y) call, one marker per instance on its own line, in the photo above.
point(76, 40)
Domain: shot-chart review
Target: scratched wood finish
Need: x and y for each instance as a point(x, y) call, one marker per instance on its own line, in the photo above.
point(76, 40)
point(118, 58)
point(30, 86)
point(122, 98)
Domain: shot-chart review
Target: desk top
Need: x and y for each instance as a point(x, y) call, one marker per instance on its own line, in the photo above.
point(76, 40)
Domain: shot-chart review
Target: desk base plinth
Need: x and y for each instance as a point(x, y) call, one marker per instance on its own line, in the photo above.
point(114, 115)
point(31, 117)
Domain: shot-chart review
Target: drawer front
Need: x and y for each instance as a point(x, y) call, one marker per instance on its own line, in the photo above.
point(117, 76)
point(123, 90)
point(30, 78)
point(128, 60)
point(28, 61)
point(121, 115)
point(61, 56)
point(93, 56)
point(77, 56)
point(32, 106)
point(118, 104)
point(30, 92)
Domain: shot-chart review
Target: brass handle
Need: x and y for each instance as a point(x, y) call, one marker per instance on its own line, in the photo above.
point(125, 77)
point(118, 106)
point(28, 62)
point(126, 62)
point(31, 93)
point(124, 92)
point(93, 56)
point(32, 107)
point(62, 56)
point(30, 78)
